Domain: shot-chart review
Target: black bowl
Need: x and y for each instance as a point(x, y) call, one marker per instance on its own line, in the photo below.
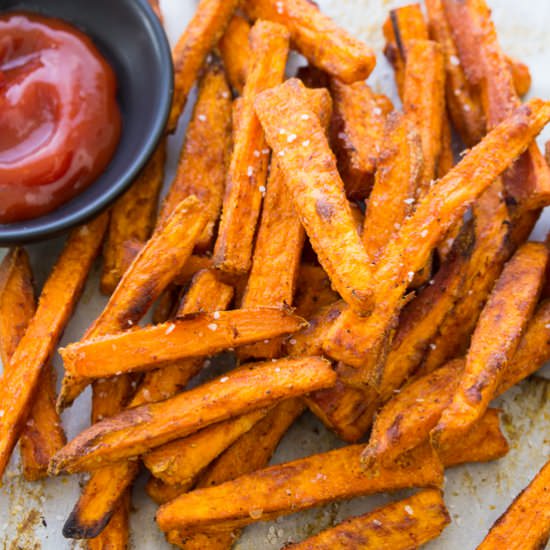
point(129, 35)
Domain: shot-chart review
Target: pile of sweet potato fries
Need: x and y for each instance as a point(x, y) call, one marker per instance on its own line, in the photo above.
point(336, 247)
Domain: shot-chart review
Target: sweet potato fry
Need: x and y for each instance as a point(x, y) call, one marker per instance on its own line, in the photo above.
point(132, 218)
point(485, 65)
point(279, 244)
point(159, 345)
point(313, 291)
point(521, 76)
point(201, 35)
point(356, 134)
point(57, 301)
point(294, 486)
point(133, 432)
point(405, 524)
point(483, 443)
point(526, 523)
point(494, 342)
point(317, 37)
point(106, 485)
point(397, 178)
point(180, 462)
point(249, 453)
point(235, 51)
point(293, 132)
point(424, 102)
point(359, 342)
point(248, 167)
point(43, 434)
point(463, 101)
point(116, 534)
point(147, 277)
point(205, 153)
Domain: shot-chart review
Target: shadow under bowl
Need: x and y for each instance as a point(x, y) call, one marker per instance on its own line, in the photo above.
point(131, 38)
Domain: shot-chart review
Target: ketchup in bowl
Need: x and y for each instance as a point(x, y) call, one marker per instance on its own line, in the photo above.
point(59, 120)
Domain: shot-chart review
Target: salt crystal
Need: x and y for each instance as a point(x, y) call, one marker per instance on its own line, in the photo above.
point(409, 201)
point(216, 315)
point(305, 117)
point(433, 346)
point(170, 328)
point(376, 522)
point(2, 413)
point(281, 153)
point(225, 95)
point(397, 225)
point(291, 138)
point(224, 379)
point(262, 189)
point(282, 131)
point(250, 171)
point(202, 118)
point(292, 342)
point(213, 326)
point(410, 274)
point(409, 510)
point(256, 153)
point(454, 60)
point(424, 233)
point(279, 6)
point(306, 143)
point(277, 369)
point(377, 111)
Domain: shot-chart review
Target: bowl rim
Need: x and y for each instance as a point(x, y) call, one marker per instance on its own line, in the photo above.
point(46, 230)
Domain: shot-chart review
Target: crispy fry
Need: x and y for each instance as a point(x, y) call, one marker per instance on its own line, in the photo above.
point(147, 277)
point(483, 443)
point(521, 76)
point(526, 523)
point(196, 335)
point(201, 35)
point(235, 51)
point(485, 65)
point(397, 178)
point(205, 154)
point(294, 486)
point(356, 134)
point(405, 524)
point(100, 495)
point(248, 168)
point(43, 434)
point(360, 342)
point(137, 430)
point(115, 536)
point(249, 453)
point(463, 100)
point(424, 102)
point(317, 37)
point(316, 188)
point(494, 342)
point(132, 218)
point(57, 301)
point(180, 462)
point(279, 244)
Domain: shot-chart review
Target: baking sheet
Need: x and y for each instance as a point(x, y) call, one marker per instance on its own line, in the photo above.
point(32, 515)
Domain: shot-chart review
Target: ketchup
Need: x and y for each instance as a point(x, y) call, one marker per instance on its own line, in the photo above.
point(59, 119)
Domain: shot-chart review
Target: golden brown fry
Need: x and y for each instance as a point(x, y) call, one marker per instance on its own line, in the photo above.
point(57, 301)
point(279, 244)
point(528, 180)
point(42, 435)
point(235, 51)
point(195, 335)
point(424, 102)
point(249, 453)
point(316, 188)
point(133, 432)
point(495, 340)
point(356, 134)
point(180, 462)
point(201, 35)
point(205, 154)
point(116, 534)
point(397, 178)
point(132, 218)
point(526, 523)
point(483, 443)
point(106, 485)
point(294, 486)
point(147, 277)
point(402, 525)
point(463, 100)
point(521, 76)
point(248, 167)
point(317, 37)
point(361, 342)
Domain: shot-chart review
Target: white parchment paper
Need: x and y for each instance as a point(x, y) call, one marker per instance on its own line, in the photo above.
point(32, 515)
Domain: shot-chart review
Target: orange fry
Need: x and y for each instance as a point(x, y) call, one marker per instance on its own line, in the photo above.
point(201, 35)
point(247, 173)
point(235, 52)
point(205, 154)
point(402, 525)
point(317, 37)
point(55, 306)
point(293, 132)
point(526, 523)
